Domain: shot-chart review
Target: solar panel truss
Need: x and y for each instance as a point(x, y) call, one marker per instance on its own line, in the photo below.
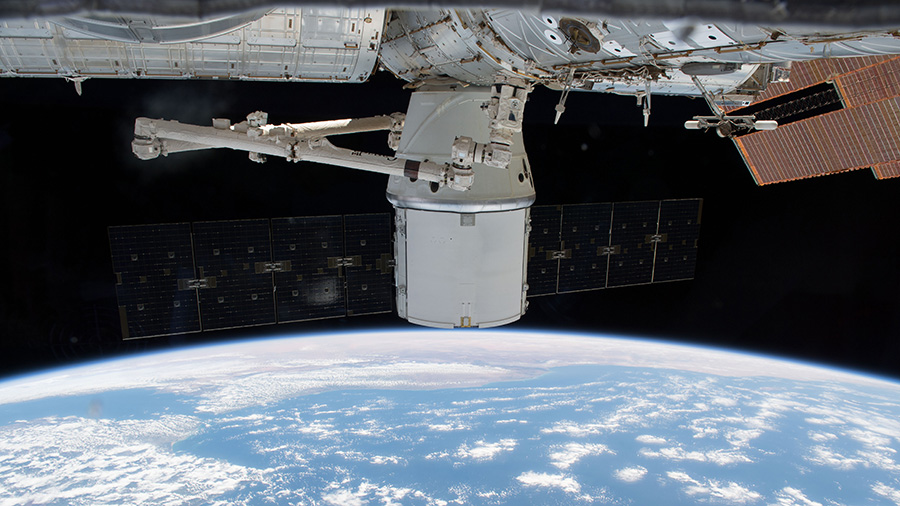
point(150, 261)
point(679, 231)
point(543, 249)
point(368, 263)
point(585, 246)
point(633, 228)
point(238, 293)
point(306, 288)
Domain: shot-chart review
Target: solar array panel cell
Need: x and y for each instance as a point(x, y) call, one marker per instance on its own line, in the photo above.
point(174, 279)
point(608, 245)
point(543, 241)
point(845, 140)
point(149, 261)
point(585, 236)
point(229, 251)
point(368, 250)
point(310, 289)
point(679, 230)
point(887, 170)
point(866, 133)
point(633, 225)
point(871, 84)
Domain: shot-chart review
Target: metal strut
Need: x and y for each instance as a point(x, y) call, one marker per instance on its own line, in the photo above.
point(295, 142)
point(725, 126)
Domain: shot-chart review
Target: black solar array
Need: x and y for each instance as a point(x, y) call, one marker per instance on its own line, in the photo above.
point(370, 278)
point(148, 261)
point(228, 251)
point(310, 289)
point(608, 245)
point(633, 224)
point(585, 235)
point(543, 269)
point(173, 278)
point(679, 227)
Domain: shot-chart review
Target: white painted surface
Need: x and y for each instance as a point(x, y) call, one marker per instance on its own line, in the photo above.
point(436, 116)
point(459, 274)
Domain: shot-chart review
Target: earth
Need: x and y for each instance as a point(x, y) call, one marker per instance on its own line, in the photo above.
point(438, 418)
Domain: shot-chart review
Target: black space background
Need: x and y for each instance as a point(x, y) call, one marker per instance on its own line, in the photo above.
point(808, 269)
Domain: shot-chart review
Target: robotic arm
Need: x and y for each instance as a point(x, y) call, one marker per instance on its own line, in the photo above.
point(295, 142)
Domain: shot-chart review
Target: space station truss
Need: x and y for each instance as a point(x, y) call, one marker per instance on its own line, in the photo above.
point(182, 277)
point(574, 248)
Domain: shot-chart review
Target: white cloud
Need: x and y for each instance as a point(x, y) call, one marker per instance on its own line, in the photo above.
point(580, 429)
point(873, 422)
point(789, 496)
point(469, 402)
point(828, 420)
point(650, 440)
point(730, 492)
point(385, 459)
point(227, 376)
point(879, 458)
point(349, 455)
point(101, 461)
point(825, 456)
point(742, 437)
point(317, 428)
point(247, 420)
point(483, 450)
point(368, 432)
point(343, 498)
point(563, 457)
point(704, 432)
point(355, 456)
point(869, 438)
point(821, 437)
point(680, 476)
point(631, 474)
point(738, 431)
point(560, 481)
point(889, 493)
point(722, 457)
point(341, 493)
point(447, 427)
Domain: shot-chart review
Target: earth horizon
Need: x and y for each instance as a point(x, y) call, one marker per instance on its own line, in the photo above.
point(437, 417)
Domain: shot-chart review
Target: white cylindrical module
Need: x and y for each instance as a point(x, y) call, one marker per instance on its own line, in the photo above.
point(309, 44)
point(460, 256)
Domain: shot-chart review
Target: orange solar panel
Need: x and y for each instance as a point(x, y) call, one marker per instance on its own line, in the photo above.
point(864, 134)
point(871, 84)
point(887, 170)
